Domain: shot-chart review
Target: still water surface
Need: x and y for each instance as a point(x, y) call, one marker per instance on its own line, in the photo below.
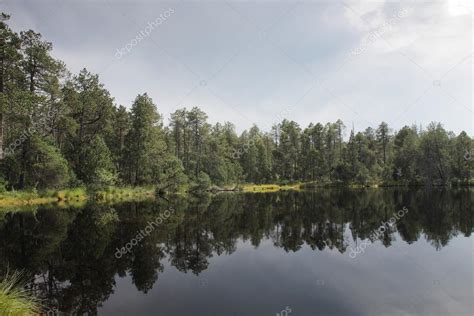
point(288, 253)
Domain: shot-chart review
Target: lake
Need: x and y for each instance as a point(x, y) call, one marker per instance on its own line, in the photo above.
point(324, 252)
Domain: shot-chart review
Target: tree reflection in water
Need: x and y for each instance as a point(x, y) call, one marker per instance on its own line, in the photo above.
point(68, 253)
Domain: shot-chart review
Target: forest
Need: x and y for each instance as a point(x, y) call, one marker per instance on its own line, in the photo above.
point(62, 130)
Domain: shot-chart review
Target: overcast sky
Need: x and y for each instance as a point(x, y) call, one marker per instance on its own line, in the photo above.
point(248, 62)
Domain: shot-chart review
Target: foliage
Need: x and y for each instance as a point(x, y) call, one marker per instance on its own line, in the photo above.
point(14, 301)
point(59, 131)
point(97, 167)
point(203, 182)
point(3, 185)
point(71, 194)
point(46, 166)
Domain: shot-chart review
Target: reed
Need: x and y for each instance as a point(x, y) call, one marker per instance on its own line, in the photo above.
point(16, 301)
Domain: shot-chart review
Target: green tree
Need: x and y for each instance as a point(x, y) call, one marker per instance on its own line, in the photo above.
point(462, 157)
point(434, 160)
point(198, 131)
point(116, 138)
point(383, 148)
point(90, 109)
point(406, 150)
point(382, 136)
point(145, 143)
point(10, 76)
point(97, 167)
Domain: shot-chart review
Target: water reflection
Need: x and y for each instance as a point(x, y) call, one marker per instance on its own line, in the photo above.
point(69, 254)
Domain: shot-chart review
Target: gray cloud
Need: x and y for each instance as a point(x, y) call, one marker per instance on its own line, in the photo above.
point(247, 61)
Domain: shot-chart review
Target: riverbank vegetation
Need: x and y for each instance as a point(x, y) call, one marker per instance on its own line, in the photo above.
point(59, 130)
point(269, 187)
point(14, 300)
point(75, 196)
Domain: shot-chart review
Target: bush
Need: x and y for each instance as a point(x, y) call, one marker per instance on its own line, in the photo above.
point(203, 182)
point(14, 300)
point(71, 194)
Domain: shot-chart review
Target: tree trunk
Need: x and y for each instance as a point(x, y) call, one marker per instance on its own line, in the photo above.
point(2, 118)
point(2, 124)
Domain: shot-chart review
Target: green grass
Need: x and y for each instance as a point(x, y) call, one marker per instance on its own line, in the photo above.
point(14, 300)
point(19, 198)
point(123, 193)
point(71, 194)
point(19, 195)
point(76, 196)
point(269, 187)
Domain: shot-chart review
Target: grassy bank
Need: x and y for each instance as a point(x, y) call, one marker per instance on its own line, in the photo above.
point(79, 196)
point(315, 185)
point(386, 184)
point(21, 198)
point(14, 301)
point(269, 187)
point(299, 186)
point(74, 196)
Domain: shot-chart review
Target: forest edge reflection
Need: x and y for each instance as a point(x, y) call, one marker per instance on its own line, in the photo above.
point(76, 274)
point(376, 233)
point(142, 233)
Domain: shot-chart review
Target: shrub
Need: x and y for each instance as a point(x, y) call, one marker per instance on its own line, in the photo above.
point(15, 301)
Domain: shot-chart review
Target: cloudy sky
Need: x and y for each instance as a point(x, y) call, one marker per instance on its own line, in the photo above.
point(249, 62)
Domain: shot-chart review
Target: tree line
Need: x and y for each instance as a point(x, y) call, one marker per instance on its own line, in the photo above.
point(62, 130)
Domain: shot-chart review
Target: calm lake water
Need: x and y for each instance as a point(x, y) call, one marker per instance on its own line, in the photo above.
point(327, 252)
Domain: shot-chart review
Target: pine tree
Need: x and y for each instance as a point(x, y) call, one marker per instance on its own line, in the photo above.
point(145, 143)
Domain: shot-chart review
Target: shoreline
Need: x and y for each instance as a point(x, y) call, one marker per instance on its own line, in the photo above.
point(76, 195)
point(82, 195)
